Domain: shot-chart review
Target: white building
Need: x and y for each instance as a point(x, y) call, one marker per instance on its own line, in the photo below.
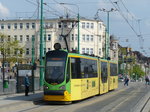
point(92, 35)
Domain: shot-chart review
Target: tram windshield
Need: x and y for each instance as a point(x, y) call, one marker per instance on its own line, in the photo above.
point(55, 71)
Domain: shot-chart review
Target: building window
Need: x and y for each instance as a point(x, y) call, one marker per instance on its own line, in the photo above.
point(100, 25)
point(83, 50)
point(49, 37)
point(65, 25)
point(49, 49)
point(21, 25)
point(103, 36)
point(27, 25)
point(44, 50)
point(8, 37)
point(15, 52)
point(76, 36)
point(59, 25)
point(33, 25)
point(100, 38)
point(91, 51)
point(87, 50)
point(60, 38)
point(15, 37)
point(27, 51)
point(92, 25)
point(72, 37)
point(27, 38)
point(83, 25)
point(114, 54)
point(45, 25)
point(2, 26)
point(87, 25)
point(15, 25)
point(21, 38)
point(72, 25)
point(51, 25)
point(92, 37)
point(9, 26)
point(99, 51)
point(87, 37)
point(83, 37)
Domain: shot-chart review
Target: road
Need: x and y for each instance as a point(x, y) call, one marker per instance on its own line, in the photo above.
point(124, 99)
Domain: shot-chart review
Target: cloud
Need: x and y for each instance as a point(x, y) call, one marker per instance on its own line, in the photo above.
point(3, 10)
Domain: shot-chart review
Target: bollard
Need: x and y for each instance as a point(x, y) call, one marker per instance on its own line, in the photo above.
point(5, 83)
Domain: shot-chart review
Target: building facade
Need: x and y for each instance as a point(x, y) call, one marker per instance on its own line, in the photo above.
point(91, 35)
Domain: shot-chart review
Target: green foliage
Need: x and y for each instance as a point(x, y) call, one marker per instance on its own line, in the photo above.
point(138, 71)
point(10, 48)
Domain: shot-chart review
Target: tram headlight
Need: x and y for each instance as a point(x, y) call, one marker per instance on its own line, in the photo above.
point(62, 87)
point(46, 87)
point(66, 93)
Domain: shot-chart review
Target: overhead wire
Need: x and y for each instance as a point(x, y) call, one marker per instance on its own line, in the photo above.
point(133, 17)
point(141, 40)
point(127, 21)
point(52, 12)
point(119, 10)
point(73, 12)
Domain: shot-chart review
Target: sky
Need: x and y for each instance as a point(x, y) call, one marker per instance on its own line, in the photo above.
point(129, 22)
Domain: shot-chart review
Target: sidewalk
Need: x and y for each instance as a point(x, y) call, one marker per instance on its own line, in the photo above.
point(17, 99)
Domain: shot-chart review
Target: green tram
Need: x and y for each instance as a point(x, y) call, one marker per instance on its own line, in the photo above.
point(72, 77)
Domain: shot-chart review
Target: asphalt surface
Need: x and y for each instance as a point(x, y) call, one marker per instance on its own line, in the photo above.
point(132, 98)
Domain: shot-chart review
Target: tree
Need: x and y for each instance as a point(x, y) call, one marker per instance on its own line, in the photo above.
point(138, 71)
point(10, 49)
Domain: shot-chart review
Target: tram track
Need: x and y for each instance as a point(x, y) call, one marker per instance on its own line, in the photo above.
point(113, 101)
point(145, 105)
point(108, 101)
point(127, 98)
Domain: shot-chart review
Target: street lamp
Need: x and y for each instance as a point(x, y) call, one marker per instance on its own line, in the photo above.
point(78, 16)
point(33, 49)
point(41, 45)
point(107, 40)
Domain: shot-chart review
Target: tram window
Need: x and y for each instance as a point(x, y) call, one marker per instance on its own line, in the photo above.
point(104, 73)
point(68, 71)
point(113, 69)
point(75, 68)
point(88, 68)
point(83, 68)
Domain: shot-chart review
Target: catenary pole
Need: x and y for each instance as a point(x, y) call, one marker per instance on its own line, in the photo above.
point(107, 40)
point(78, 32)
point(41, 46)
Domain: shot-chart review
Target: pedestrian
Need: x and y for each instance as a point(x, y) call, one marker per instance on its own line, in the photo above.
point(147, 81)
point(27, 83)
point(126, 80)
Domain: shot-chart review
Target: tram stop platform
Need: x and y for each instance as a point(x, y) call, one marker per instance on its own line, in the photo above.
point(19, 99)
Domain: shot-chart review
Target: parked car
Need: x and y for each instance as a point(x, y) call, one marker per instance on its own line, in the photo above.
point(121, 79)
